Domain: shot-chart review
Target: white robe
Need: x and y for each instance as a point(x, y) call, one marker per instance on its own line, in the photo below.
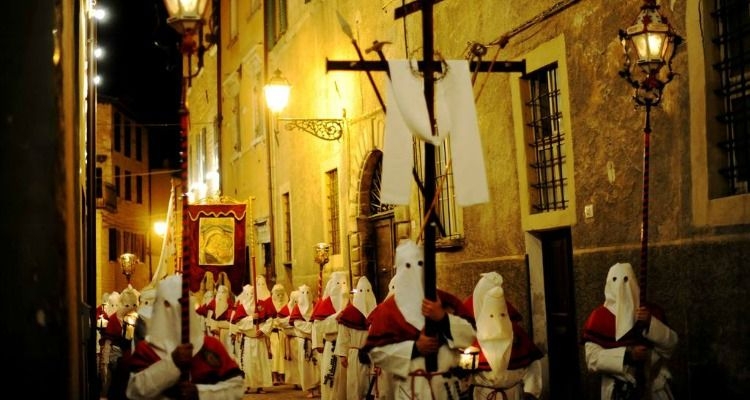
point(332, 387)
point(357, 374)
point(254, 354)
point(610, 362)
point(396, 359)
point(308, 365)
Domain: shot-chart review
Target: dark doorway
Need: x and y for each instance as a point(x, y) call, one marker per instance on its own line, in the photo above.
point(385, 243)
point(562, 336)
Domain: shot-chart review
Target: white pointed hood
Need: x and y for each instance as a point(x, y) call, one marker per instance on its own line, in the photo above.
point(164, 329)
point(409, 282)
point(494, 329)
point(363, 298)
point(622, 296)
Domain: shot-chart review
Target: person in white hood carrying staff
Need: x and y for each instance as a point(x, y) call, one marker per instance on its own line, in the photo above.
point(623, 339)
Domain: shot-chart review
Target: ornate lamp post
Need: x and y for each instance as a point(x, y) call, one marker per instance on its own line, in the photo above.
point(322, 255)
point(186, 17)
point(649, 46)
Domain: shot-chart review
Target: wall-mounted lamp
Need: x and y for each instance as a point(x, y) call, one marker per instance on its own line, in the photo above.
point(651, 42)
point(277, 97)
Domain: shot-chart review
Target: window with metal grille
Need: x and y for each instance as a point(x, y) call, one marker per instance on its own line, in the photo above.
point(545, 140)
point(732, 136)
point(287, 233)
point(332, 190)
point(449, 226)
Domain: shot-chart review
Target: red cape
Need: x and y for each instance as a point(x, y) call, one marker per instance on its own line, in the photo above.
point(600, 328)
point(352, 318)
point(284, 312)
point(388, 325)
point(212, 364)
point(323, 309)
point(297, 315)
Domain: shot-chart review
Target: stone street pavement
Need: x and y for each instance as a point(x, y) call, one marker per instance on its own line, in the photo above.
point(283, 392)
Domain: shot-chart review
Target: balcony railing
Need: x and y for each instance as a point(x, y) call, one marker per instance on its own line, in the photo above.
point(108, 201)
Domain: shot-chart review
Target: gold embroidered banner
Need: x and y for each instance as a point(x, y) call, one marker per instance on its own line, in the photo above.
point(217, 243)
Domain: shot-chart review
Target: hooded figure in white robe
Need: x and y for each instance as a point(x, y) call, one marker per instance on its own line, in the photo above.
point(155, 366)
point(352, 335)
point(509, 364)
point(253, 352)
point(291, 368)
point(398, 344)
point(308, 359)
point(628, 343)
point(279, 299)
point(325, 335)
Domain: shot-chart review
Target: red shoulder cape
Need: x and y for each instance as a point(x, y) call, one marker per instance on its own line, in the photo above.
point(210, 365)
point(600, 328)
point(323, 309)
point(352, 318)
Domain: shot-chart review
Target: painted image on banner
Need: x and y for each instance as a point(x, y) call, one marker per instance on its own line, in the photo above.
point(216, 238)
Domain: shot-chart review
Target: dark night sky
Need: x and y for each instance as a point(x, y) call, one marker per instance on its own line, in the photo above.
point(141, 70)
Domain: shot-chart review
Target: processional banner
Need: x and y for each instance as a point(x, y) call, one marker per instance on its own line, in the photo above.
point(217, 243)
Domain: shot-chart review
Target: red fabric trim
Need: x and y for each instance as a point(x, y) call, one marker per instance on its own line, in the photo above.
point(323, 309)
point(600, 328)
point(210, 365)
point(352, 318)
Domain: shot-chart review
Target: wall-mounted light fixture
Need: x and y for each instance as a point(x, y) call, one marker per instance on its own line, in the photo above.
point(649, 46)
point(277, 96)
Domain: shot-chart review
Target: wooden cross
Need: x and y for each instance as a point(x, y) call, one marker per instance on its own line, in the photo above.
point(428, 67)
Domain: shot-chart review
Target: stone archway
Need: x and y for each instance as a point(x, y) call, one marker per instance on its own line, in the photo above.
point(375, 226)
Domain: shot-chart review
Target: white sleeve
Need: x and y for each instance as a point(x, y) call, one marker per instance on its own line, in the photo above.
point(394, 358)
point(532, 379)
point(599, 359)
point(230, 389)
point(663, 337)
point(343, 341)
point(152, 381)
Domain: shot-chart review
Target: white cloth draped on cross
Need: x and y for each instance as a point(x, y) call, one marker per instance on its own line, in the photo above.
point(456, 116)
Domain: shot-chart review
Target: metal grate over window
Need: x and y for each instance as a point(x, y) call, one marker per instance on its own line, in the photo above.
point(546, 139)
point(732, 40)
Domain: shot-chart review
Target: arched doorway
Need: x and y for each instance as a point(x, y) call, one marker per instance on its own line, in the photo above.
point(376, 226)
